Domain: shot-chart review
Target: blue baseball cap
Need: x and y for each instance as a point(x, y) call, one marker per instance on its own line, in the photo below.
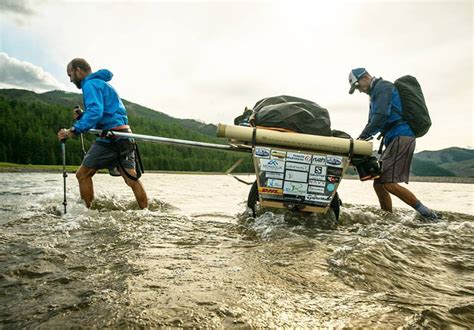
point(354, 77)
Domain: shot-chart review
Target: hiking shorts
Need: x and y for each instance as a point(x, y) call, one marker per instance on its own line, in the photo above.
point(395, 161)
point(110, 155)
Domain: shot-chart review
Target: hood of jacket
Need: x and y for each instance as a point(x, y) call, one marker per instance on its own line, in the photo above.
point(102, 74)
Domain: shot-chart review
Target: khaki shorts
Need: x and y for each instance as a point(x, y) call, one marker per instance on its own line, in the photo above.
point(396, 160)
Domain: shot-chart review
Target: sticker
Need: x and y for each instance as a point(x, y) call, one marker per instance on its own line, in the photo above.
point(274, 183)
point(274, 175)
point(317, 177)
point(297, 167)
point(323, 198)
point(275, 197)
point(314, 199)
point(319, 183)
point(294, 198)
point(319, 160)
point(270, 191)
point(295, 188)
point(296, 176)
point(318, 190)
point(317, 170)
point(277, 154)
point(272, 165)
point(335, 161)
point(262, 152)
point(300, 158)
point(333, 179)
point(330, 187)
point(334, 171)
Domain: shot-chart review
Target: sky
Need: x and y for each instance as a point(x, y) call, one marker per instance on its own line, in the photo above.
point(208, 60)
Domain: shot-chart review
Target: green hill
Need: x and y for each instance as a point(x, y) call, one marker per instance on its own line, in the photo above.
point(29, 122)
point(458, 161)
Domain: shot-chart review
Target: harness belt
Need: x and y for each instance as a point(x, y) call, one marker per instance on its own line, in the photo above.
point(116, 141)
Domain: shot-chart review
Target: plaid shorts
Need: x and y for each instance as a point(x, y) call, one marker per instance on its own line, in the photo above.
point(396, 160)
point(110, 155)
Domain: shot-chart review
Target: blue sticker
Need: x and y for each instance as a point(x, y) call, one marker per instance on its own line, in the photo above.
point(330, 187)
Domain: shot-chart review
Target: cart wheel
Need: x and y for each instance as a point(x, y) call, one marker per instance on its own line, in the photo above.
point(253, 198)
point(336, 205)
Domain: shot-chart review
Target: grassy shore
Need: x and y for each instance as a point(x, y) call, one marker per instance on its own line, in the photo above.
point(22, 168)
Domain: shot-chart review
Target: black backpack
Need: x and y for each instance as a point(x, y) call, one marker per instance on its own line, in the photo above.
point(415, 111)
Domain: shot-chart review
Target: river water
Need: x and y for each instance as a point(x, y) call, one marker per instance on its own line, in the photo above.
point(195, 258)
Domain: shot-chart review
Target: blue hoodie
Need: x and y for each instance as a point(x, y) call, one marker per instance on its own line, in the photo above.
point(385, 108)
point(103, 107)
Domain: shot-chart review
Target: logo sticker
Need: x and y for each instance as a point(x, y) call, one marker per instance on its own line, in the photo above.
point(272, 165)
point(318, 190)
point(334, 171)
point(300, 158)
point(316, 199)
point(274, 175)
point(319, 183)
point(334, 179)
point(296, 176)
point(335, 161)
point(330, 187)
point(297, 167)
point(295, 188)
point(319, 160)
point(277, 154)
point(270, 191)
point(317, 170)
point(274, 183)
point(262, 152)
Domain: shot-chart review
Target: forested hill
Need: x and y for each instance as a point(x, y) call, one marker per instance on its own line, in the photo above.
point(457, 161)
point(29, 122)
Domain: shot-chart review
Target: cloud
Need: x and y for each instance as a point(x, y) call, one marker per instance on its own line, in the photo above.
point(19, 7)
point(21, 74)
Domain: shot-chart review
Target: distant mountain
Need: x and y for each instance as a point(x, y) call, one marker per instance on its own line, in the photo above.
point(454, 160)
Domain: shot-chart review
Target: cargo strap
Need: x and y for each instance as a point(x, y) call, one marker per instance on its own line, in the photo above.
point(254, 137)
point(351, 149)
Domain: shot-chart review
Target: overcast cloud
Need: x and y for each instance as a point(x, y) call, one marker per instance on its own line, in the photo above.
point(21, 74)
point(208, 60)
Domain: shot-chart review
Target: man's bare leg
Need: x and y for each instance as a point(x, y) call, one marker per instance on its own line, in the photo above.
point(401, 192)
point(384, 197)
point(86, 187)
point(137, 187)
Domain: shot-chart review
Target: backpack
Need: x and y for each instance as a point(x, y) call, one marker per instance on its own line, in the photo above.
point(415, 111)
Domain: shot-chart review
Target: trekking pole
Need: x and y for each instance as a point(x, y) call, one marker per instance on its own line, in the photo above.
point(63, 150)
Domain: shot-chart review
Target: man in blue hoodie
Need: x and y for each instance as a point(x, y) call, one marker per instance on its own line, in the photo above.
point(385, 117)
point(103, 110)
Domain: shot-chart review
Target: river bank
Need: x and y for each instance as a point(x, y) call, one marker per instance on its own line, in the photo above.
point(28, 168)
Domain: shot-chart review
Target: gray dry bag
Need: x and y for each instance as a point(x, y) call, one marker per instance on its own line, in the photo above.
point(415, 111)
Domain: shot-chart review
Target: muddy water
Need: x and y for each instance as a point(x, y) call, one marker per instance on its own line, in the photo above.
point(197, 259)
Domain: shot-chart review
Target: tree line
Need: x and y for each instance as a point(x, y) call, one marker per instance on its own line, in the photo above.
point(28, 136)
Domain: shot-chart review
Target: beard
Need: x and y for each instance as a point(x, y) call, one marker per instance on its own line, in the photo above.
point(77, 83)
